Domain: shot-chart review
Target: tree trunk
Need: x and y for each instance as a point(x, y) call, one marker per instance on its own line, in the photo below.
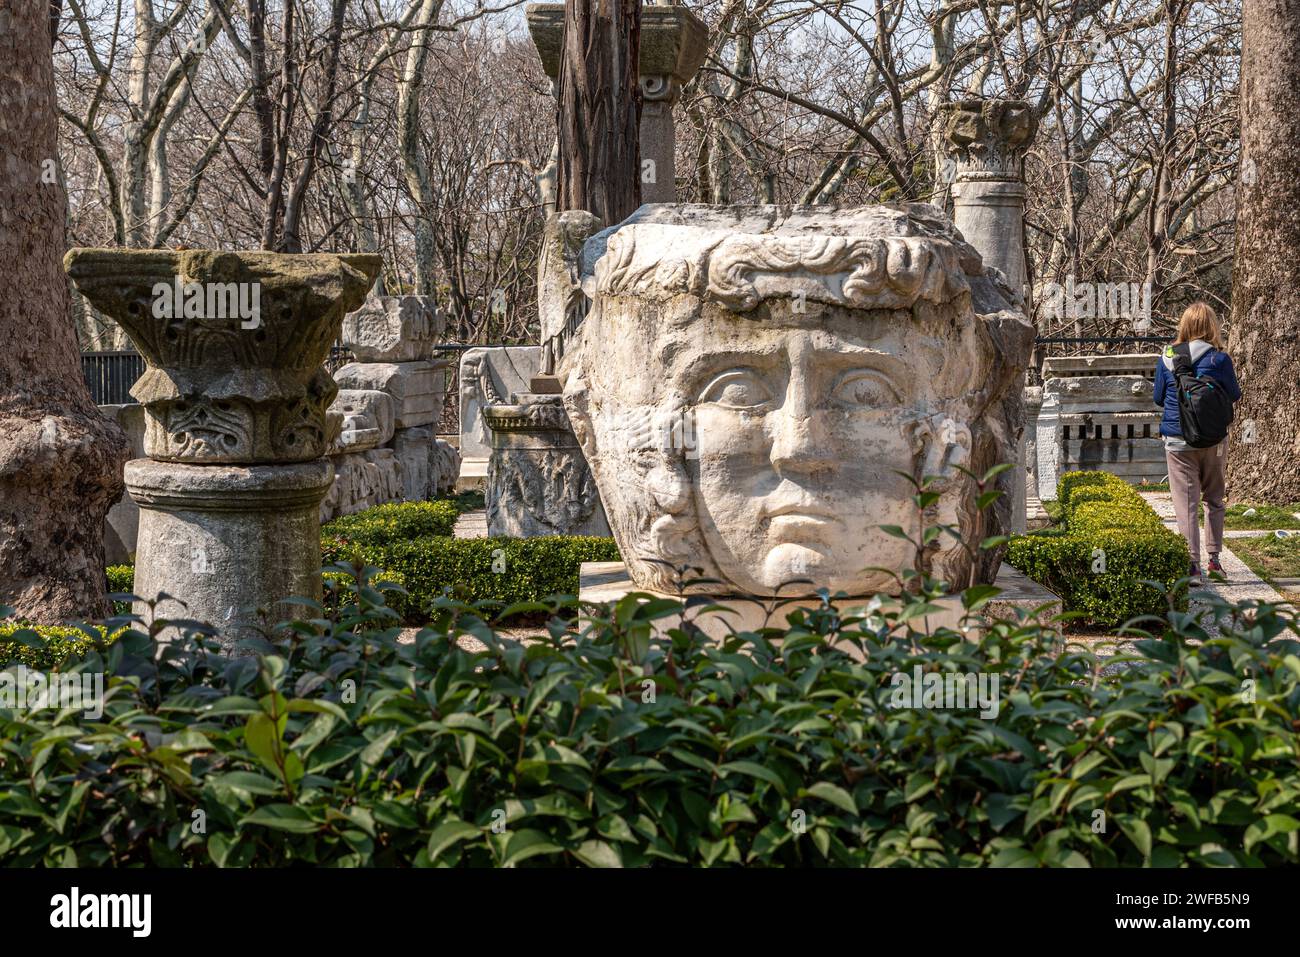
point(60, 459)
point(1266, 276)
point(600, 109)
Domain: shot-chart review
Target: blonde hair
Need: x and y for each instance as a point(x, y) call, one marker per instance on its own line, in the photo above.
point(1199, 322)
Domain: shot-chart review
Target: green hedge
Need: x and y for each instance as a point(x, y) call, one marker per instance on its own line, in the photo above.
point(1109, 546)
point(47, 646)
point(506, 570)
point(411, 543)
point(603, 746)
point(393, 522)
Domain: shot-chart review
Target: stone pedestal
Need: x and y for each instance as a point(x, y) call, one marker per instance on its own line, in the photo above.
point(602, 582)
point(538, 482)
point(987, 140)
point(228, 543)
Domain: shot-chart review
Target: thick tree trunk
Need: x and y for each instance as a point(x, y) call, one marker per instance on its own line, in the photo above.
point(600, 109)
point(1262, 463)
point(60, 459)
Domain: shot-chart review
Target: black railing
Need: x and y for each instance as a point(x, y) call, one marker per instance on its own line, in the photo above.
point(110, 375)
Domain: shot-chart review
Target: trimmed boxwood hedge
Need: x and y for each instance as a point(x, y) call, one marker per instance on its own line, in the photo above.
point(506, 570)
point(411, 543)
point(393, 521)
point(1107, 524)
point(47, 646)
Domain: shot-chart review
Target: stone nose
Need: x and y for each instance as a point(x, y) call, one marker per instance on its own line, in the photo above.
point(799, 443)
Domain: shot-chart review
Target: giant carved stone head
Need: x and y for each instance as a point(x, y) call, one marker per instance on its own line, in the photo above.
point(749, 382)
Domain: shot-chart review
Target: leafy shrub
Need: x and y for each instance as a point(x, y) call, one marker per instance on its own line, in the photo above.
point(337, 745)
point(393, 521)
point(1110, 546)
point(47, 646)
point(505, 570)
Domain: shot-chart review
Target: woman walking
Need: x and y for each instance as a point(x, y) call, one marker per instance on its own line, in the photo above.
point(1196, 474)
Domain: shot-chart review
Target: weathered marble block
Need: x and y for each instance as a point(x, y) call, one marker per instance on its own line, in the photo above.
point(393, 329)
point(490, 376)
point(749, 383)
point(367, 420)
point(362, 480)
point(414, 451)
point(538, 482)
point(417, 388)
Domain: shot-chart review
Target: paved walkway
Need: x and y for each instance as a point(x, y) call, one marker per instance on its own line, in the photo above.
point(471, 525)
point(1242, 583)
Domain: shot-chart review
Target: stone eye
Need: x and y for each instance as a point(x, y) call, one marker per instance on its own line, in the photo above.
point(737, 389)
point(864, 388)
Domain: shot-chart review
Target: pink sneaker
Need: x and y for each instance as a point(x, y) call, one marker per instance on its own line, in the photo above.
point(1214, 568)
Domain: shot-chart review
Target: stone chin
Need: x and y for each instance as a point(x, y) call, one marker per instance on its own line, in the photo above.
point(807, 357)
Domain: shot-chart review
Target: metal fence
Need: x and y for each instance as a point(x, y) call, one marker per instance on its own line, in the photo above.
point(110, 375)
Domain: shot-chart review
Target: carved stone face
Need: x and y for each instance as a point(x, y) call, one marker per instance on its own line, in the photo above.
point(747, 396)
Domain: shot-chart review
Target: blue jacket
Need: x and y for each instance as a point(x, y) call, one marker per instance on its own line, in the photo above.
point(1206, 361)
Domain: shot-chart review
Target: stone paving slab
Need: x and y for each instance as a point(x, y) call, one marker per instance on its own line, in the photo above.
point(471, 525)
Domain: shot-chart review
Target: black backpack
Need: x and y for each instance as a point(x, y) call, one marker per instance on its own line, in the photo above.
point(1204, 409)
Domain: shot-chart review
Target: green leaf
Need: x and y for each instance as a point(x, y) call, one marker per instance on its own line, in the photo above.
point(595, 853)
point(281, 817)
point(449, 833)
point(834, 794)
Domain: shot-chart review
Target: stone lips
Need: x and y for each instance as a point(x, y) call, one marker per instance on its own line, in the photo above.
point(795, 296)
point(214, 390)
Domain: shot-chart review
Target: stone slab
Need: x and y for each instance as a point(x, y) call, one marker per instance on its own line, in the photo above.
point(417, 388)
point(601, 582)
point(490, 374)
point(393, 329)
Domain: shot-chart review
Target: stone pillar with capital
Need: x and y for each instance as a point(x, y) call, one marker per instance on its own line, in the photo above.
point(986, 141)
point(237, 423)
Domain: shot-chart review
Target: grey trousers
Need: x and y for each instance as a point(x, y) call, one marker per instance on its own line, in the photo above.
point(1195, 476)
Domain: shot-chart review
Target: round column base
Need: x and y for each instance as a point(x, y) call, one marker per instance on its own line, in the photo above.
point(225, 544)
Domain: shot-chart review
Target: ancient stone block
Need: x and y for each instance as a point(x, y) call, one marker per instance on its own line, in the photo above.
point(413, 449)
point(393, 329)
point(538, 482)
point(366, 419)
point(417, 388)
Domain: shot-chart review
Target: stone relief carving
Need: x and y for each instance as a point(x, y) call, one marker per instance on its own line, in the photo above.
point(537, 482)
point(749, 381)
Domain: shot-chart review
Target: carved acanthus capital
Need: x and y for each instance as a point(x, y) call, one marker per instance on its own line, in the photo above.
point(988, 139)
point(233, 344)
